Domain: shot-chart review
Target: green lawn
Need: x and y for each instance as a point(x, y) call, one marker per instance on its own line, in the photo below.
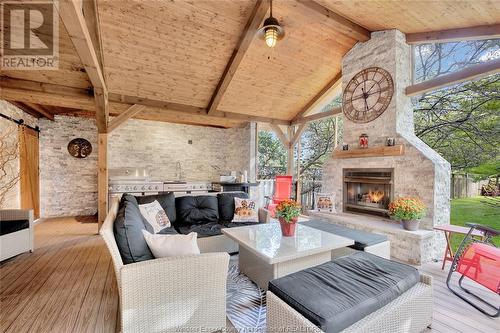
point(483, 210)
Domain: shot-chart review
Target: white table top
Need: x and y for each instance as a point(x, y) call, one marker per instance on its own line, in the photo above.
point(266, 241)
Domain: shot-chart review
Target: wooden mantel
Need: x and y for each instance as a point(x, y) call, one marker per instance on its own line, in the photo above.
point(382, 151)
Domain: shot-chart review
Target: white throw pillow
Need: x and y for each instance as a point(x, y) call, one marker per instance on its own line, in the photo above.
point(155, 215)
point(171, 245)
point(245, 210)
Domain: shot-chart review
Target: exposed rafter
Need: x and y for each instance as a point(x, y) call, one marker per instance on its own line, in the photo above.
point(26, 109)
point(298, 132)
point(71, 14)
point(41, 110)
point(256, 17)
point(74, 98)
point(344, 25)
point(281, 135)
point(473, 72)
point(318, 116)
point(307, 108)
point(491, 31)
point(129, 113)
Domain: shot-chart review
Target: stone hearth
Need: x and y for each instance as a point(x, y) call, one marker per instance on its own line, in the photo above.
point(420, 171)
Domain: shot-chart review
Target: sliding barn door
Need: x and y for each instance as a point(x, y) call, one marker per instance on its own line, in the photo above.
point(28, 163)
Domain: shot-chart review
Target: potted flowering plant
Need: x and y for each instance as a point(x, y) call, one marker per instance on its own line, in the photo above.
point(407, 210)
point(288, 212)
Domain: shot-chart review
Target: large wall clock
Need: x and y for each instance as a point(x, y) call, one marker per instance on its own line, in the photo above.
point(367, 95)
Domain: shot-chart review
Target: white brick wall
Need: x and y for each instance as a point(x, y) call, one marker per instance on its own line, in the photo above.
point(69, 185)
point(159, 145)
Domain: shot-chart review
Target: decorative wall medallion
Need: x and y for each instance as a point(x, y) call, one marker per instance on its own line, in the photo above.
point(79, 148)
point(367, 95)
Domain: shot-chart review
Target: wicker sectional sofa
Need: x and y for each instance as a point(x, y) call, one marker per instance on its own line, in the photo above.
point(173, 294)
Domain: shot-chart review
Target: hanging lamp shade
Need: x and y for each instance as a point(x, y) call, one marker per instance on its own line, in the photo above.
point(271, 30)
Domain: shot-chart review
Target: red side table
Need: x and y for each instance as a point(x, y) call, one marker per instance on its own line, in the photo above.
point(448, 230)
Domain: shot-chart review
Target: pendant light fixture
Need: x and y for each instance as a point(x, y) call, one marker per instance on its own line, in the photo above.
point(271, 31)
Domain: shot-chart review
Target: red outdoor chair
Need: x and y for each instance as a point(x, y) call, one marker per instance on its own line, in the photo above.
point(478, 260)
point(282, 191)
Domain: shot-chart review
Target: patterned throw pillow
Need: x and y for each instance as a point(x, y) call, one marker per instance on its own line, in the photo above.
point(245, 210)
point(325, 202)
point(155, 215)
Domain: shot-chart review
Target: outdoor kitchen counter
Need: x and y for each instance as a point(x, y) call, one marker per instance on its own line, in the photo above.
point(229, 187)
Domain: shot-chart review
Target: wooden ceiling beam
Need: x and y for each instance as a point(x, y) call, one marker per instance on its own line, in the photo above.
point(256, 17)
point(192, 110)
point(82, 102)
point(71, 14)
point(473, 72)
point(307, 108)
point(156, 103)
point(8, 82)
point(318, 116)
point(80, 99)
point(491, 31)
point(129, 113)
point(41, 110)
point(26, 109)
point(343, 24)
point(298, 132)
point(281, 135)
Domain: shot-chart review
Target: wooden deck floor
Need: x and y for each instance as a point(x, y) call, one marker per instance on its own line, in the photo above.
point(68, 285)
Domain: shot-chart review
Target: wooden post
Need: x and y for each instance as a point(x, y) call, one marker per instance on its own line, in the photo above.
point(289, 160)
point(102, 178)
point(336, 132)
point(299, 183)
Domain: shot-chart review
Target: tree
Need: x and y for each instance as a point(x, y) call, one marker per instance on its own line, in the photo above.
point(462, 122)
point(272, 155)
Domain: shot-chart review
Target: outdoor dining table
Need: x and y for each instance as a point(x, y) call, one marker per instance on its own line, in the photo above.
point(449, 230)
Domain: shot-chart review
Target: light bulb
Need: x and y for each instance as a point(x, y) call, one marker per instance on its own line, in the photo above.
point(271, 36)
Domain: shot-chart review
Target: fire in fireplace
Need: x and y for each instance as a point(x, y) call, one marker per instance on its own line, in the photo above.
point(368, 190)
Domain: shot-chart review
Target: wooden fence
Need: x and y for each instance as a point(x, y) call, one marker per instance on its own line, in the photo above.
point(464, 186)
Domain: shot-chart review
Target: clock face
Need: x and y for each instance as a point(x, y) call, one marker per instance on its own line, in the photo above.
point(367, 95)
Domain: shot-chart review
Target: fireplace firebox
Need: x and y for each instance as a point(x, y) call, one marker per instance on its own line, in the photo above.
point(368, 190)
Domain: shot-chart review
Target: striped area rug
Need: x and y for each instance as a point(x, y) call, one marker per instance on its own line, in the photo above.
point(246, 303)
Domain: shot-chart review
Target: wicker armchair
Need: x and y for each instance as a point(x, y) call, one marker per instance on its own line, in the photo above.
point(16, 232)
point(175, 294)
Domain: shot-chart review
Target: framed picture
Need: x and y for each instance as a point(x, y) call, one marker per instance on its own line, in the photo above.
point(324, 202)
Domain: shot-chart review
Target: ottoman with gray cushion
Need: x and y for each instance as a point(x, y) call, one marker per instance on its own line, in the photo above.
point(363, 241)
point(355, 293)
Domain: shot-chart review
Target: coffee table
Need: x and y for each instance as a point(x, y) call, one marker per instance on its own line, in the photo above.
point(264, 254)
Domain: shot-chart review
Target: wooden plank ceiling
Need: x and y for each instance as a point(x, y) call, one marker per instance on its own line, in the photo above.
point(411, 16)
point(171, 56)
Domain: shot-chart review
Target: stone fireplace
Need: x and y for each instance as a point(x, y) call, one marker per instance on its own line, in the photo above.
point(365, 183)
point(367, 191)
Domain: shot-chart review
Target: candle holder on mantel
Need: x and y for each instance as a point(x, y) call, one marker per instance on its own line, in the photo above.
point(345, 146)
point(390, 142)
point(363, 141)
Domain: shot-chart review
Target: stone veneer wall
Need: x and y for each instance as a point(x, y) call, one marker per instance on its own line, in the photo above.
point(69, 185)
point(13, 197)
point(420, 171)
point(159, 146)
